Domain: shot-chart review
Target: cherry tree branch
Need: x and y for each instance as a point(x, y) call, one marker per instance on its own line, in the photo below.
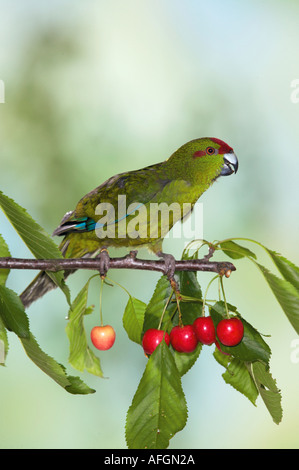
point(127, 262)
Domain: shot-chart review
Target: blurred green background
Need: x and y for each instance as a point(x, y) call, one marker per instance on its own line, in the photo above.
point(94, 88)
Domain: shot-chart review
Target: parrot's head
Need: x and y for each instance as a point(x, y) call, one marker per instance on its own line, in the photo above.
point(206, 159)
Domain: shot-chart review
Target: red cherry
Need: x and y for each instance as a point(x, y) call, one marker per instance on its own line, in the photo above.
point(204, 330)
point(103, 337)
point(152, 337)
point(230, 331)
point(183, 338)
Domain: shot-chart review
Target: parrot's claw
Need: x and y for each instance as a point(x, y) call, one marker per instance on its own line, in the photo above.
point(169, 261)
point(132, 254)
point(104, 262)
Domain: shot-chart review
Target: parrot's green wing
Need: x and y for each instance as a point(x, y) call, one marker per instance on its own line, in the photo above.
point(120, 190)
point(137, 186)
point(126, 209)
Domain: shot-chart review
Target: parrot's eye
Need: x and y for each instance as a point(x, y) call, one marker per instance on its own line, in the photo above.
point(210, 150)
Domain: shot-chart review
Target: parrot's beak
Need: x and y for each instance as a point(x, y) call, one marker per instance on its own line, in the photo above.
point(230, 164)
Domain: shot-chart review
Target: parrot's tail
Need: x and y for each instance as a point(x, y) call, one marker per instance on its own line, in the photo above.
point(40, 285)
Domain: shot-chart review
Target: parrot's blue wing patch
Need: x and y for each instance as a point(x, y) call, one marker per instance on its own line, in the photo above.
point(83, 224)
point(87, 224)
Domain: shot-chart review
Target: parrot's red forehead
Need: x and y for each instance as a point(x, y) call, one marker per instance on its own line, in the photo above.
point(224, 148)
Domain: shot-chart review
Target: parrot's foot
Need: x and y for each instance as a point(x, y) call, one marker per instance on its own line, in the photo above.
point(132, 254)
point(169, 261)
point(104, 262)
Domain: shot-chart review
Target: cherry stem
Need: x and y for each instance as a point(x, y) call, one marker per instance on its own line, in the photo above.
point(178, 297)
point(164, 310)
point(224, 298)
point(179, 310)
point(119, 285)
point(206, 292)
point(101, 295)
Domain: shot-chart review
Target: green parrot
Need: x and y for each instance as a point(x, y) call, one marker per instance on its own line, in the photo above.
point(118, 213)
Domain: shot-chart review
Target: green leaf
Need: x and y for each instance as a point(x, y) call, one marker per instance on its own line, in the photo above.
point(155, 307)
point(3, 343)
point(287, 269)
point(222, 359)
point(54, 370)
point(35, 237)
point(158, 409)
point(13, 313)
point(190, 287)
point(184, 361)
point(77, 386)
point(252, 347)
point(133, 319)
point(286, 294)
point(81, 356)
point(237, 375)
point(14, 318)
point(268, 390)
point(4, 253)
point(236, 251)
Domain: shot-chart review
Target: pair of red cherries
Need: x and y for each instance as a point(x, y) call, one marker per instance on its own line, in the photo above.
point(184, 339)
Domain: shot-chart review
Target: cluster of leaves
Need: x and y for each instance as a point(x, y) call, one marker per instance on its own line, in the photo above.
point(159, 409)
point(12, 313)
